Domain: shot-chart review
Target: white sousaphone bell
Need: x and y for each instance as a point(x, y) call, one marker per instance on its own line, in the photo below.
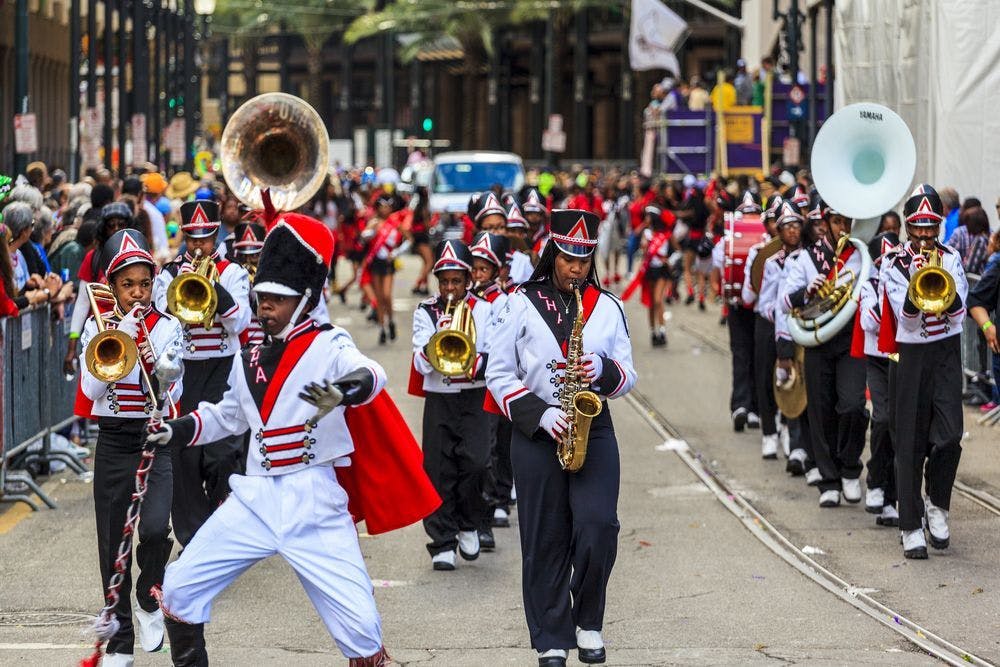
point(862, 163)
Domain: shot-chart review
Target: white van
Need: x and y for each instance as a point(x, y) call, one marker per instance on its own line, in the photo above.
point(459, 174)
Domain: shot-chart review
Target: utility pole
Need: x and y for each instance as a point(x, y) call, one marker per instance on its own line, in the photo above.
point(190, 113)
point(109, 81)
point(548, 99)
point(74, 90)
point(21, 72)
point(792, 27)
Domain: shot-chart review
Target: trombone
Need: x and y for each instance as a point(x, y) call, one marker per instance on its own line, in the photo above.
point(191, 297)
point(112, 354)
point(452, 351)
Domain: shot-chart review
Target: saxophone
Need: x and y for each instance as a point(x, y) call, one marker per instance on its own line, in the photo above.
point(579, 403)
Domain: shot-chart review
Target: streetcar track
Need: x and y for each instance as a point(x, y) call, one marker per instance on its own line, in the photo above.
point(983, 499)
point(752, 519)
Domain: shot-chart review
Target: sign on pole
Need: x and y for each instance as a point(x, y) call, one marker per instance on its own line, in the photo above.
point(25, 134)
point(554, 138)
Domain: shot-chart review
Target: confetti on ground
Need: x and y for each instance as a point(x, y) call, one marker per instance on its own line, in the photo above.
point(977, 591)
point(813, 551)
point(759, 647)
point(644, 543)
point(389, 583)
point(921, 635)
point(758, 577)
point(896, 618)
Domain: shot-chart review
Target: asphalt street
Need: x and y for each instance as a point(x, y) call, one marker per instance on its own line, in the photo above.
point(691, 585)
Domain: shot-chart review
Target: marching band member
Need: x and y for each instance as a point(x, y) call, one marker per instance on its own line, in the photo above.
point(740, 322)
point(928, 412)
point(568, 520)
point(122, 409)
point(458, 434)
point(880, 497)
point(521, 267)
point(248, 240)
point(835, 381)
point(763, 342)
point(489, 252)
point(655, 276)
point(798, 446)
point(537, 214)
point(201, 475)
point(299, 393)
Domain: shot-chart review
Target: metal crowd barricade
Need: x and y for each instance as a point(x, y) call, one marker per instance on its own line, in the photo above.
point(37, 399)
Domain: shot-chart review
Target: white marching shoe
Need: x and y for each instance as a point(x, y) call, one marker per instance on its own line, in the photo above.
point(796, 464)
point(468, 544)
point(444, 561)
point(150, 629)
point(829, 498)
point(937, 525)
point(874, 500)
point(786, 440)
point(753, 421)
point(769, 446)
point(914, 544)
point(590, 645)
point(851, 489)
point(813, 476)
point(889, 517)
point(117, 660)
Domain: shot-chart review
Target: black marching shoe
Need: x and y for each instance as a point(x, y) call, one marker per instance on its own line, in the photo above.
point(486, 540)
point(392, 330)
point(590, 647)
point(689, 300)
point(552, 658)
point(739, 419)
point(381, 337)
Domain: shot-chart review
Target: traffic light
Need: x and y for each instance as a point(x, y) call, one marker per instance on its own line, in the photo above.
point(428, 124)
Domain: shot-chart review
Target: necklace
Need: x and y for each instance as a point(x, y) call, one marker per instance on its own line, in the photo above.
point(564, 302)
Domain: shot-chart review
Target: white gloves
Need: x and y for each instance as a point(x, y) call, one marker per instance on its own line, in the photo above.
point(816, 283)
point(443, 322)
point(554, 422)
point(592, 365)
point(130, 323)
point(781, 376)
point(159, 433)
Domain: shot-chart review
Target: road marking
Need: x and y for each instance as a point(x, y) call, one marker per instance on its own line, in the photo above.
point(673, 445)
point(390, 583)
point(15, 515)
point(44, 647)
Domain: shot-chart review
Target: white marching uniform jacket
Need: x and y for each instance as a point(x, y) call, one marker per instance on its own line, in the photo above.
point(263, 397)
point(871, 315)
point(781, 310)
point(912, 325)
point(770, 285)
point(815, 260)
point(425, 325)
point(128, 398)
point(520, 267)
point(222, 338)
point(528, 364)
point(747, 294)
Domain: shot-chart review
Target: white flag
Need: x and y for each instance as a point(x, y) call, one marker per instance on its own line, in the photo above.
point(654, 34)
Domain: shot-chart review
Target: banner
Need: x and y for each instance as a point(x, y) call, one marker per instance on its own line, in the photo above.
point(654, 34)
point(740, 133)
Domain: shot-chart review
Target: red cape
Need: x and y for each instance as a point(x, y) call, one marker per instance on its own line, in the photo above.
point(386, 485)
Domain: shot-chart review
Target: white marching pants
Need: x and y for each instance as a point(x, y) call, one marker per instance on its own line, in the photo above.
point(303, 517)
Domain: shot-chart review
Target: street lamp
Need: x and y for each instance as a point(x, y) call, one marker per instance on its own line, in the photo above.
point(204, 7)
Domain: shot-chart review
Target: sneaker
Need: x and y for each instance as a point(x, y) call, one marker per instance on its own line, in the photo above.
point(888, 517)
point(874, 500)
point(117, 660)
point(753, 421)
point(937, 525)
point(150, 629)
point(813, 477)
point(739, 419)
point(487, 542)
point(829, 498)
point(786, 440)
point(796, 464)
point(590, 646)
point(852, 489)
point(501, 519)
point(513, 494)
point(444, 561)
point(381, 337)
point(914, 544)
point(468, 544)
point(769, 447)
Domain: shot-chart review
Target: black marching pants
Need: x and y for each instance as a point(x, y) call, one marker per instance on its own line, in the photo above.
point(458, 444)
point(119, 449)
point(501, 475)
point(765, 355)
point(928, 425)
point(881, 464)
point(741, 345)
point(800, 437)
point(569, 533)
point(201, 474)
point(838, 420)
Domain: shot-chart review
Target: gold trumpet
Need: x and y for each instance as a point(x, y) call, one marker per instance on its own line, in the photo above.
point(112, 354)
point(932, 289)
point(191, 297)
point(451, 351)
